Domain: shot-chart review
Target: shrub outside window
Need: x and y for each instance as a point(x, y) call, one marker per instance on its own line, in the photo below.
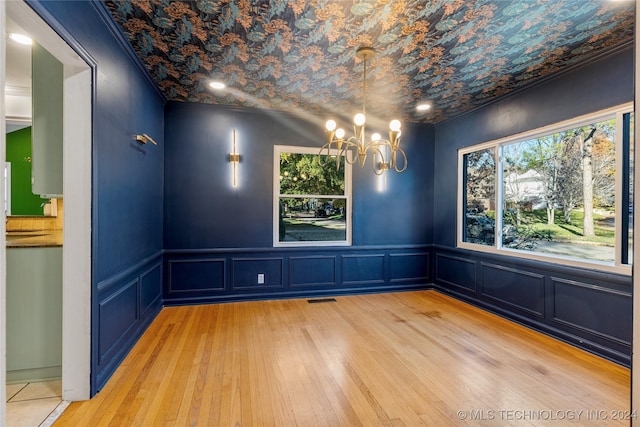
point(312, 198)
point(562, 193)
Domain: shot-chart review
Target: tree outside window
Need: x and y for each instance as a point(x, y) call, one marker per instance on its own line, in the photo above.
point(312, 199)
point(480, 196)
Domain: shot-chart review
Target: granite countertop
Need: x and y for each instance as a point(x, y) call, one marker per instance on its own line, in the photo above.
point(34, 239)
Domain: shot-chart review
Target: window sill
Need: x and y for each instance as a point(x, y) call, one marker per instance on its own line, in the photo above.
point(568, 261)
point(309, 244)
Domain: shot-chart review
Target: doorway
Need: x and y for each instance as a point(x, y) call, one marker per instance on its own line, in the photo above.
point(77, 165)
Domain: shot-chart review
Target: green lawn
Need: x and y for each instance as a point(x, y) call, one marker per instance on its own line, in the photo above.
point(324, 229)
point(563, 232)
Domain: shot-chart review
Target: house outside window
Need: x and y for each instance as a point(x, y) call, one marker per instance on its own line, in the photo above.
point(561, 194)
point(312, 198)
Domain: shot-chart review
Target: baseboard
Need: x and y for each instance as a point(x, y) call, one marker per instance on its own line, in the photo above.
point(33, 375)
point(574, 340)
point(260, 296)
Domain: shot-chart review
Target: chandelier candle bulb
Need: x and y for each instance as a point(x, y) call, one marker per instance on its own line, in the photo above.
point(331, 125)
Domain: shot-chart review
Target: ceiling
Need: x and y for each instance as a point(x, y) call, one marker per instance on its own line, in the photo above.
point(17, 81)
point(300, 55)
point(18, 59)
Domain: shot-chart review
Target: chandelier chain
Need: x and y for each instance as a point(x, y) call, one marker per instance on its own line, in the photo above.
point(364, 88)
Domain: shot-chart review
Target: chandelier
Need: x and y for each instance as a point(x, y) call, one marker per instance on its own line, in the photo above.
point(387, 154)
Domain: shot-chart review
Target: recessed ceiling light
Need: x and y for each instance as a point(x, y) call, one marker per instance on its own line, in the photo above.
point(20, 38)
point(423, 107)
point(217, 85)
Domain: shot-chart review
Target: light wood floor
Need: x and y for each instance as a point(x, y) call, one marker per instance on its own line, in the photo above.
point(401, 359)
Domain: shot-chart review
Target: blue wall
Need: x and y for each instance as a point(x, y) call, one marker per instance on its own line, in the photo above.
point(217, 238)
point(590, 309)
point(127, 212)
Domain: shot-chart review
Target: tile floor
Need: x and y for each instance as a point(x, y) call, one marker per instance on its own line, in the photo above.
point(36, 404)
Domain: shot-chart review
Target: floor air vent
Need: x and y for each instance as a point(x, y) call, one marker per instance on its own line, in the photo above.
point(315, 301)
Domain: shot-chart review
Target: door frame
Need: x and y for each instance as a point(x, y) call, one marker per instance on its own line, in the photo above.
point(79, 78)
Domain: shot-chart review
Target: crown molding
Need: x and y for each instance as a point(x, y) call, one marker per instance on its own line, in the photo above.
point(17, 91)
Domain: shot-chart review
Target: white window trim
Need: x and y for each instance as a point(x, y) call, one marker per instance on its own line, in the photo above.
point(497, 249)
point(7, 188)
point(277, 149)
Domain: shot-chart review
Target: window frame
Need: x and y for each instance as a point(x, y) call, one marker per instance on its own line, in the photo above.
point(347, 196)
point(616, 266)
point(7, 188)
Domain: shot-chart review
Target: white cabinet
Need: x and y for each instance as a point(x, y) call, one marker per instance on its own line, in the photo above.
point(47, 123)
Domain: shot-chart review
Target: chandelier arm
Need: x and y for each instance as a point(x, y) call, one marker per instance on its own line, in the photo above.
point(326, 146)
point(377, 152)
point(405, 162)
point(349, 144)
point(343, 152)
point(350, 161)
point(320, 160)
point(378, 143)
point(375, 145)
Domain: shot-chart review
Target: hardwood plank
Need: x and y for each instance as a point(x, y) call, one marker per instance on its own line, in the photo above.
point(401, 359)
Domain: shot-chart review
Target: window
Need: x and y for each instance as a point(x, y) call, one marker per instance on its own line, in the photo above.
point(627, 186)
point(480, 196)
point(561, 193)
point(312, 198)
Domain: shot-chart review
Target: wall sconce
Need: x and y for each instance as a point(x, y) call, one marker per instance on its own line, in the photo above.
point(381, 184)
point(234, 159)
point(144, 138)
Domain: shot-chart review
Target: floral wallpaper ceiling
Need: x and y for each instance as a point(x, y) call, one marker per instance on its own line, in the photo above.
point(300, 55)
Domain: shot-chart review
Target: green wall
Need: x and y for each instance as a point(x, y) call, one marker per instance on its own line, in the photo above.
point(23, 201)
